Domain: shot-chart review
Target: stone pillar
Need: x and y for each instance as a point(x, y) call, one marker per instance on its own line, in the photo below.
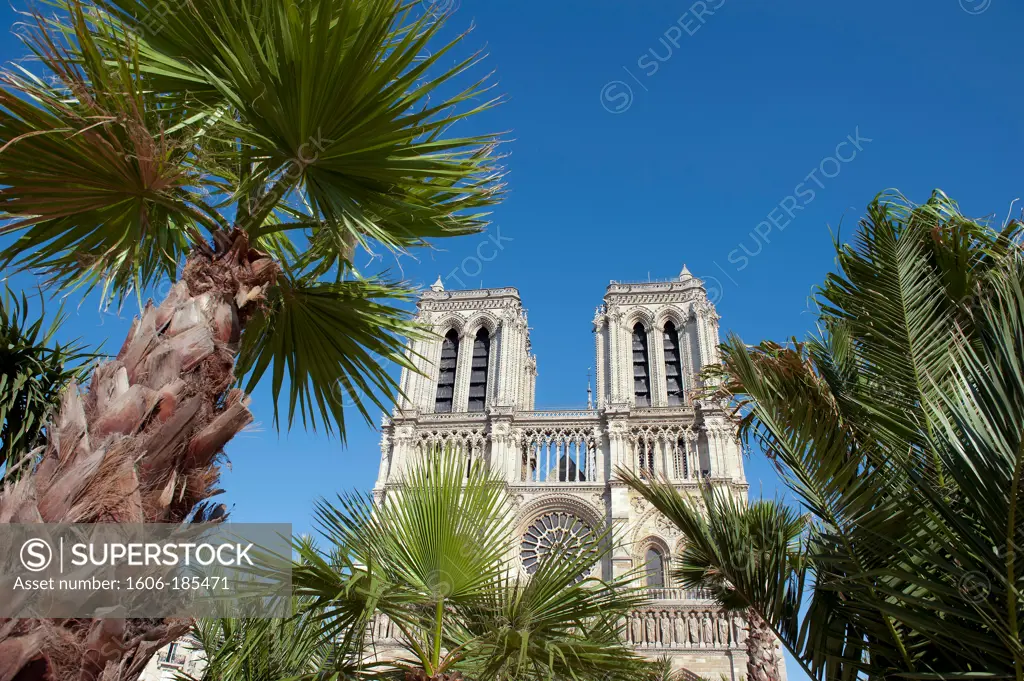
point(460, 400)
point(622, 561)
point(503, 458)
point(656, 360)
point(386, 454)
point(402, 450)
point(692, 453)
point(423, 388)
point(619, 447)
point(599, 358)
point(614, 331)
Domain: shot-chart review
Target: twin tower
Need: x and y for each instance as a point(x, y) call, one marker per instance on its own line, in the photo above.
point(476, 391)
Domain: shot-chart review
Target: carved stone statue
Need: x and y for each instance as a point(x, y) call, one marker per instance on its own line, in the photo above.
point(637, 625)
point(383, 626)
point(680, 626)
point(666, 629)
point(694, 629)
point(707, 632)
point(739, 630)
point(651, 630)
point(723, 630)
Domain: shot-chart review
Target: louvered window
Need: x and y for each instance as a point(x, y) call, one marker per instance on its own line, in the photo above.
point(673, 365)
point(478, 373)
point(446, 372)
point(641, 367)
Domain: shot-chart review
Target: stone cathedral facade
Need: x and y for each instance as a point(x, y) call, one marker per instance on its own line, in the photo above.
point(477, 392)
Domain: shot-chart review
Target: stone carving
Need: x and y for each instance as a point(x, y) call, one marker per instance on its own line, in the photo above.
point(739, 630)
point(637, 626)
point(385, 628)
point(680, 628)
point(707, 633)
point(694, 629)
point(666, 629)
point(650, 635)
point(665, 525)
point(723, 631)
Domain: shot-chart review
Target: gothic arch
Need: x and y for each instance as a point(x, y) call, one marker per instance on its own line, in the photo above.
point(640, 315)
point(451, 321)
point(653, 541)
point(669, 314)
point(481, 319)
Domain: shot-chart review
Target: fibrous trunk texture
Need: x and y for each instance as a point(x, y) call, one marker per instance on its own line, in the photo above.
point(763, 659)
point(141, 445)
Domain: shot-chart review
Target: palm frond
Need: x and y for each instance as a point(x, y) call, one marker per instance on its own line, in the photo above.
point(328, 345)
point(34, 371)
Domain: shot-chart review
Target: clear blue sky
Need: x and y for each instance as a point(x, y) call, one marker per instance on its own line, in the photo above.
point(623, 167)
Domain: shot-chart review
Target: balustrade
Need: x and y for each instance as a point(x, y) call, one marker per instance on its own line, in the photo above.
point(556, 455)
point(665, 450)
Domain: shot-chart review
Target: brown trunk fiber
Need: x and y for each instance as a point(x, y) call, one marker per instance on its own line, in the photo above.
point(762, 655)
point(142, 444)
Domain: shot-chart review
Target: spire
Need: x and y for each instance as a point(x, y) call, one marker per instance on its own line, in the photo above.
point(437, 285)
point(685, 274)
point(590, 394)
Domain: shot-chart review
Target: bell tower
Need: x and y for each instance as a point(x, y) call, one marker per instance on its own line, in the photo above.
point(652, 340)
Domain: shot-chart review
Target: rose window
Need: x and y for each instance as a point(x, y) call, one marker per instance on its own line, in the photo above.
point(559, 534)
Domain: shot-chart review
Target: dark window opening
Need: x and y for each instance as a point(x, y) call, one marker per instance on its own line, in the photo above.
point(641, 367)
point(478, 372)
point(673, 365)
point(655, 568)
point(446, 372)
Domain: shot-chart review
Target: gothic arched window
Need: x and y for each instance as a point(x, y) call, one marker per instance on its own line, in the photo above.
point(478, 373)
point(655, 568)
point(673, 365)
point(641, 367)
point(446, 372)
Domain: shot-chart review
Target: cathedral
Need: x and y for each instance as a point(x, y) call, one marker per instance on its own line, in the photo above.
point(477, 393)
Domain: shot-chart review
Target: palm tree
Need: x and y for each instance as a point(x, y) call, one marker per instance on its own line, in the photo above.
point(255, 145)
point(900, 431)
point(34, 370)
point(255, 649)
point(432, 566)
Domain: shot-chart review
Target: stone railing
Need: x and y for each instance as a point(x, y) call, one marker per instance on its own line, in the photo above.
point(556, 414)
point(453, 416)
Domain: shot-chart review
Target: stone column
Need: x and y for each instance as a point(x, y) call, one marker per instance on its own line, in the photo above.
point(503, 457)
point(614, 331)
point(460, 400)
point(692, 453)
point(703, 340)
point(385, 456)
point(599, 377)
point(656, 360)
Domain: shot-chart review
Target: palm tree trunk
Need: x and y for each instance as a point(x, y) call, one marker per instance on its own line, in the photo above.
point(141, 445)
point(762, 654)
